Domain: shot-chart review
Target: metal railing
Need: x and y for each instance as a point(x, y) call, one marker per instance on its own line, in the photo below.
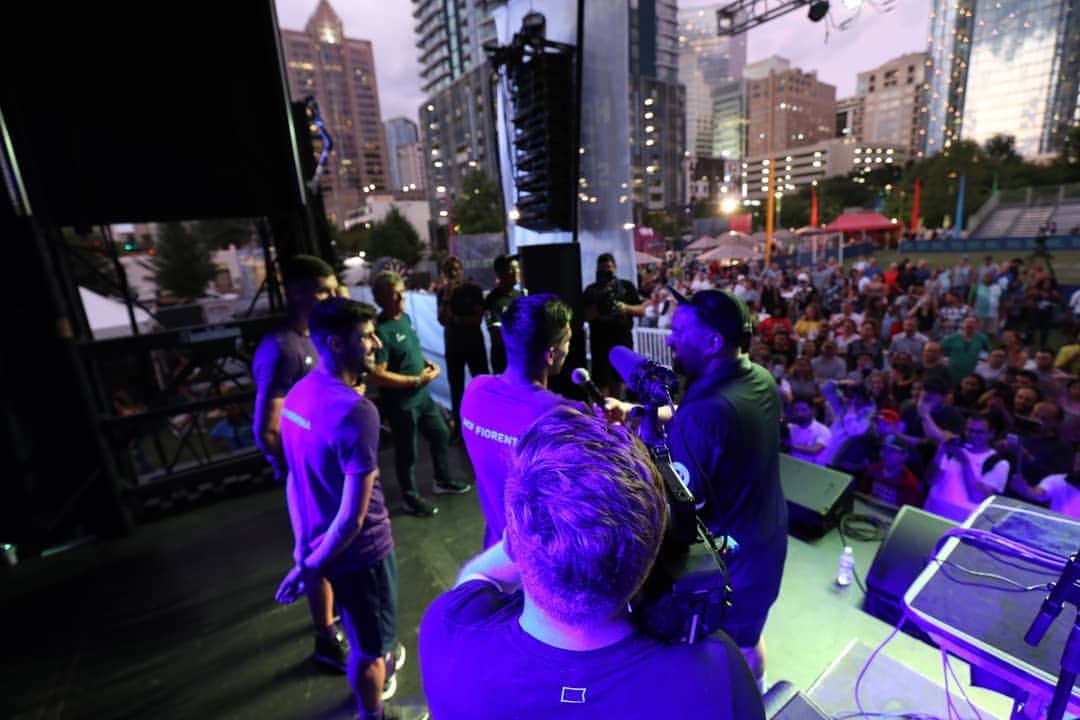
point(652, 343)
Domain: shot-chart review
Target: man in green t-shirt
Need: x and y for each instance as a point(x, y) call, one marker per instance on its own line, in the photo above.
point(402, 374)
point(964, 348)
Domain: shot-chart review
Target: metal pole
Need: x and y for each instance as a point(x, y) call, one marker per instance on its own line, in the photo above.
point(772, 169)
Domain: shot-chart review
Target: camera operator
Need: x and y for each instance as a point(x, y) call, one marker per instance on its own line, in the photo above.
point(725, 439)
point(609, 306)
point(585, 515)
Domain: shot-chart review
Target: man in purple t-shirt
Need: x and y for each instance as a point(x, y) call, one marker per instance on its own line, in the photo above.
point(330, 435)
point(498, 409)
point(585, 515)
point(283, 357)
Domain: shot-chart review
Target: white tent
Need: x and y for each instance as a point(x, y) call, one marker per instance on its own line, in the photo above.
point(109, 318)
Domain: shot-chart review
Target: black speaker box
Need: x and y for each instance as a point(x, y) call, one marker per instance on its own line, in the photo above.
point(556, 268)
point(784, 701)
point(817, 497)
point(900, 559)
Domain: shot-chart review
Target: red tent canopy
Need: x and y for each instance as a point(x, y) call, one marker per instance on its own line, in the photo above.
point(862, 222)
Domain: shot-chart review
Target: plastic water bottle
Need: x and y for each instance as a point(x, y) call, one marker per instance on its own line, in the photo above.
point(846, 573)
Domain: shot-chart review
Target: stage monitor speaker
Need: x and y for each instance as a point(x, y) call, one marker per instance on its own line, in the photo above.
point(141, 112)
point(902, 556)
point(817, 497)
point(784, 701)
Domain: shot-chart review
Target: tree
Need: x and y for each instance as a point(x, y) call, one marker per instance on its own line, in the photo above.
point(181, 264)
point(480, 207)
point(393, 236)
point(354, 241)
point(1001, 149)
point(220, 234)
point(89, 263)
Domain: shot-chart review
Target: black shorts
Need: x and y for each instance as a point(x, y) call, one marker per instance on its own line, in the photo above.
point(755, 585)
point(367, 600)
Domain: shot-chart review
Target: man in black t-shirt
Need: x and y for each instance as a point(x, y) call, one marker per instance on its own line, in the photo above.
point(461, 312)
point(507, 276)
point(565, 644)
point(609, 306)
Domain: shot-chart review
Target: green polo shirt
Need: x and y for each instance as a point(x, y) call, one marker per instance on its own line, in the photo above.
point(963, 354)
point(402, 354)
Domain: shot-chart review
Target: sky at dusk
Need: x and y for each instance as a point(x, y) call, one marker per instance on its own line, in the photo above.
point(872, 38)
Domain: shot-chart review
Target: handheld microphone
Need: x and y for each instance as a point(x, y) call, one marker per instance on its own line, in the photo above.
point(650, 380)
point(581, 378)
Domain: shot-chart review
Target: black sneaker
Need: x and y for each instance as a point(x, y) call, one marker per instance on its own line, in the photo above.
point(418, 506)
point(451, 487)
point(331, 651)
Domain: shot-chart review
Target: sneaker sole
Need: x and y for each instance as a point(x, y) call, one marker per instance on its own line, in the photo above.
point(443, 490)
point(389, 687)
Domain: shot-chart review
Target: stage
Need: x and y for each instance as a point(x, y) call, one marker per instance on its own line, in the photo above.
point(178, 620)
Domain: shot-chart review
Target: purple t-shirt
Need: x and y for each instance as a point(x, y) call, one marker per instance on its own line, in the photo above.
point(282, 358)
point(494, 414)
point(511, 674)
point(328, 430)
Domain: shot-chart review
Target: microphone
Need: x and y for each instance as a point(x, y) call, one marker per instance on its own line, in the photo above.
point(581, 378)
point(650, 380)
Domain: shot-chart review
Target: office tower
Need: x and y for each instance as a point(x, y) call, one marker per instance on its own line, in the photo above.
point(404, 151)
point(892, 100)
point(450, 35)
point(339, 72)
point(1002, 68)
point(803, 112)
point(657, 107)
point(710, 67)
point(849, 117)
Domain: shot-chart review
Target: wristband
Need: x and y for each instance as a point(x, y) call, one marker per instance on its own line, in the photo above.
point(417, 381)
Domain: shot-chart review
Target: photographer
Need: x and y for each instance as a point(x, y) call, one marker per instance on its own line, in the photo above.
point(566, 637)
point(968, 471)
point(609, 306)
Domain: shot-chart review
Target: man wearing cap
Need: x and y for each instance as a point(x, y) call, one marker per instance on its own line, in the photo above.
point(725, 440)
point(890, 480)
point(507, 277)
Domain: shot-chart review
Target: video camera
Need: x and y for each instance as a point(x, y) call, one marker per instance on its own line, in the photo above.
point(687, 593)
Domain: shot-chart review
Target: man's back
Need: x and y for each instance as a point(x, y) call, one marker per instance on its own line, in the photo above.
point(494, 414)
point(511, 674)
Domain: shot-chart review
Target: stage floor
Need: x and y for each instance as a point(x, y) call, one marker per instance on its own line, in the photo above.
point(178, 620)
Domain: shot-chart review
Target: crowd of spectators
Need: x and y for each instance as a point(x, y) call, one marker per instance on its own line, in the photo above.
point(933, 385)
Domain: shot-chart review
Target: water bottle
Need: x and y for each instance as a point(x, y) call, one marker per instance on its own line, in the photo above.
point(846, 572)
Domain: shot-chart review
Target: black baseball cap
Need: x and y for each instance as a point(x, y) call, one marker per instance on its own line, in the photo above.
point(721, 310)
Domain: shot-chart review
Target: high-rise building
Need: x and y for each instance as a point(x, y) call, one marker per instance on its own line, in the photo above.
point(409, 160)
point(798, 167)
point(657, 107)
point(1002, 68)
point(339, 72)
point(457, 130)
point(450, 35)
point(849, 117)
point(803, 108)
point(401, 132)
point(892, 100)
point(708, 65)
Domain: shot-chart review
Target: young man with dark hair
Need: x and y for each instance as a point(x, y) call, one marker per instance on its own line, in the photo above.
point(507, 276)
point(966, 472)
point(403, 373)
point(585, 515)
point(330, 436)
point(497, 409)
point(283, 357)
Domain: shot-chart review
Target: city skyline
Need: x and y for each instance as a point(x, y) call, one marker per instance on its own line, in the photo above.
point(872, 38)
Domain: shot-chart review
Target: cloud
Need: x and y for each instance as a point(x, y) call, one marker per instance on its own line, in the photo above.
point(388, 24)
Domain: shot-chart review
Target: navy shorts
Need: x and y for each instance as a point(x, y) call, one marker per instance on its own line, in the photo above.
point(755, 585)
point(368, 600)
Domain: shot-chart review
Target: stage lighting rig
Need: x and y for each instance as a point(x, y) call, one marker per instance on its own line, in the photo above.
point(742, 15)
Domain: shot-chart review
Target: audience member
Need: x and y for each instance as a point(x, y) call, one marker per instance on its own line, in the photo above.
point(966, 472)
point(964, 349)
point(807, 438)
point(890, 480)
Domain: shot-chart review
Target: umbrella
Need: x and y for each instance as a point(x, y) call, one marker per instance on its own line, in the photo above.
point(646, 259)
point(707, 242)
point(704, 243)
point(732, 247)
point(809, 230)
point(779, 235)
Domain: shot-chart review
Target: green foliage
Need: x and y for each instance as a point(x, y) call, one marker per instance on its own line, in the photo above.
point(89, 263)
point(182, 266)
point(393, 236)
point(354, 241)
point(480, 207)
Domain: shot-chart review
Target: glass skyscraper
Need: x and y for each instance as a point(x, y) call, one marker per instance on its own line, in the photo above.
point(1007, 68)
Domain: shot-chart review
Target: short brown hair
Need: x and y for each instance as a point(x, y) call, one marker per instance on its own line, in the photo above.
point(585, 515)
